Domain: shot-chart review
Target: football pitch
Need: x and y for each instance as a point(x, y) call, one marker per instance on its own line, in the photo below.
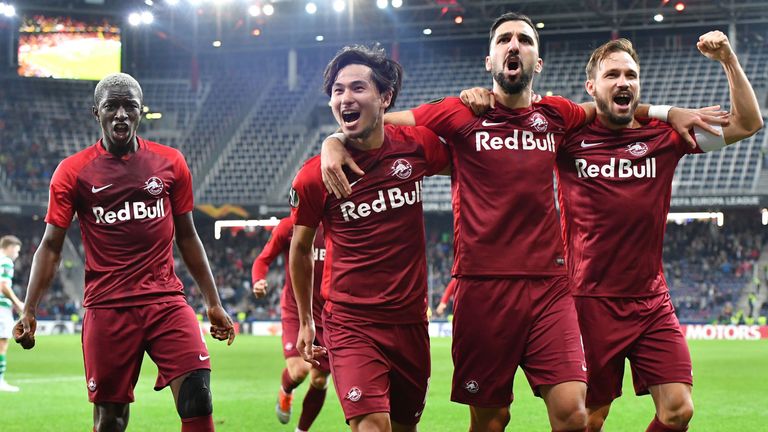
point(729, 394)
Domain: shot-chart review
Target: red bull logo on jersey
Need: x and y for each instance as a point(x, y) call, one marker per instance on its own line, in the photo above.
point(517, 140)
point(130, 211)
point(638, 149)
point(391, 198)
point(402, 169)
point(154, 186)
point(538, 122)
point(617, 168)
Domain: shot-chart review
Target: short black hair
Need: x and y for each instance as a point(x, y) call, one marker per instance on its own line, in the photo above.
point(116, 79)
point(386, 73)
point(512, 16)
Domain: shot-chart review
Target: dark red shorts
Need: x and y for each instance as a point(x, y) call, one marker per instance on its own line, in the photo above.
point(500, 324)
point(114, 342)
point(643, 330)
point(291, 336)
point(379, 367)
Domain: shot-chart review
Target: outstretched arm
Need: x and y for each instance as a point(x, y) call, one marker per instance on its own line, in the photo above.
point(44, 265)
point(193, 254)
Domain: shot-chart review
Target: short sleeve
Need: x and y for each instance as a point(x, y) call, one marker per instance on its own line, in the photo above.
point(443, 116)
point(182, 200)
point(307, 196)
point(436, 152)
point(61, 196)
point(573, 115)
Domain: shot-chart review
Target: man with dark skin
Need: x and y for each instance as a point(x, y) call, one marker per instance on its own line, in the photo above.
point(133, 198)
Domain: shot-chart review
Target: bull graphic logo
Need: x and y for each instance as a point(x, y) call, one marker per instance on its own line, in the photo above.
point(154, 186)
point(538, 122)
point(638, 149)
point(402, 169)
point(354, 394)
point(472, 386)
point(92, 385)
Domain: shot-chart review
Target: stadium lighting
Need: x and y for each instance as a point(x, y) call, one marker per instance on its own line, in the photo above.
point(459, 19)
point(339, 5)
point(319, 38)
point(381, 4)
point(7, 10)
point(172, 2)
point(658, 17)
point(256, 32)
point(216, 44)
point(254, 10)
point(765, 216)
point(311, 8)
point(149, 2)
point(268, 9)
point(195, 2)
point(539, 25)
point(427, 31)
point(680, 6)
point(134, 19)
point(397, 3)
point(59, 27)
point(147, 17)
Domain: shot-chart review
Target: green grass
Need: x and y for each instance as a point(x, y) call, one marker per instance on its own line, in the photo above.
point(729, 393)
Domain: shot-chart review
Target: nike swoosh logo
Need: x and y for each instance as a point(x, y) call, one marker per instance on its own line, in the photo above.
point(94, 189)
point(487, 123)
point(355, 182)
point(585, 144)
point(203, 358)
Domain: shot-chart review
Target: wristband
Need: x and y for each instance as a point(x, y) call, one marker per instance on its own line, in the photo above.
point(659, 112)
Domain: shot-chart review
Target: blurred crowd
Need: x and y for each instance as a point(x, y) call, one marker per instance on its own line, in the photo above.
point(708, 268)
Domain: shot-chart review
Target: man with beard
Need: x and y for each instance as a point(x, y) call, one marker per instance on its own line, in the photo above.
point(509, 258)
point(618, 170)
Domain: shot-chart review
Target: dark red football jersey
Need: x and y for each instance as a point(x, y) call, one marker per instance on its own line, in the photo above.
point(125, 206)
point(280, 243)
point(505, 222)
point(614, 191)
point(375, 238)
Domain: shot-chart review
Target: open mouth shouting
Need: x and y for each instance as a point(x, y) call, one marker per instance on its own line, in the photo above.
point(623, 100)
point(350, 117)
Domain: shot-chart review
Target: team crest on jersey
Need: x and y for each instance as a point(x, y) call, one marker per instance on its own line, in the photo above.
point(401, 168)
point(288, 346)
point(354, 394)
point(638, 149)
point(472, 386)
point(538, 122)
point(436, 101)
point(293, 198)
point(154, 186)
point(92, 385)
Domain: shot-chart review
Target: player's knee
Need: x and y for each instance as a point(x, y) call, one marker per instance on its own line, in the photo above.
point(489, 419)
point(571, 417)
point(319, 381)
point(298, 370)
point(194, 399)
point(677, 414)
point(595, 423)
point(110, 417)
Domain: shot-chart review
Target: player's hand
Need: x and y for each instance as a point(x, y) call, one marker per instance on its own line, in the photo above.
point(715, 45)
point(333, 156)
point(305, 344)
point(683, 120)
point(478, 99)
point(24, 331)
point(221, 324)
point(260, 288)
point(440, 309)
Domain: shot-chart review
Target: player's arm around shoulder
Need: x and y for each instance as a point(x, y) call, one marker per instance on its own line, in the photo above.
point(193, 254)
point(746, 119)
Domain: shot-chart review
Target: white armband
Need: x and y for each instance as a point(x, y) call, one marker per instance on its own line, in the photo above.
point(708, 142)
point(339, 136)
point(659, 112)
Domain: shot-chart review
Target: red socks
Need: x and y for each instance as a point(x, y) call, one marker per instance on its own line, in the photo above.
point(313, 402)
point(657, 426)
point(287, 382)
point(197, 424)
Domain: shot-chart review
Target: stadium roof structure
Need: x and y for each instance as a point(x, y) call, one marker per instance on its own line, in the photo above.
point(291, 23)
